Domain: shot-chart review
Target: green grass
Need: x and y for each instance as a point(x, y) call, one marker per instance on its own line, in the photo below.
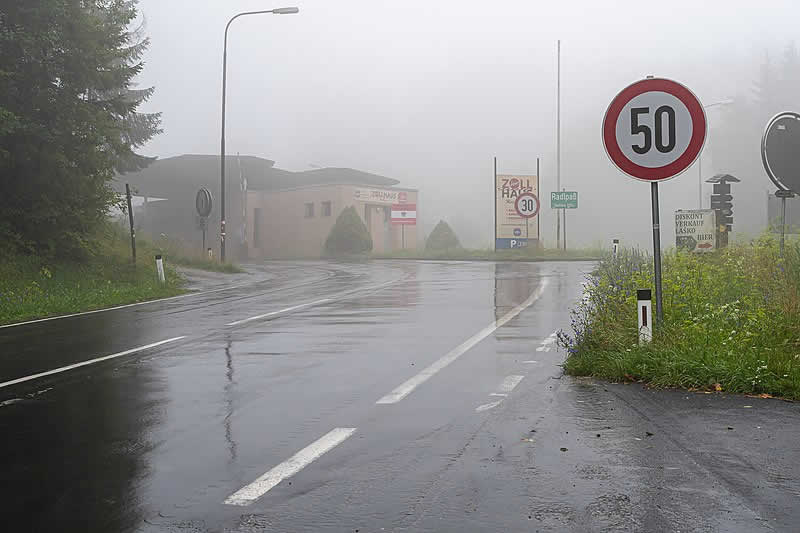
point(33, 287)
point(521, 254)
point(731, 321)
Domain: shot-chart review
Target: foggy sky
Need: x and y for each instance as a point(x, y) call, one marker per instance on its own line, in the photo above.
point(429, 92)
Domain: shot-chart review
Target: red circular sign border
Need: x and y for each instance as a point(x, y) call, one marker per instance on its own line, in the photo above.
point(685, 160)
point(538, 204)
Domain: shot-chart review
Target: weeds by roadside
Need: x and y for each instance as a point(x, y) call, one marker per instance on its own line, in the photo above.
point(36, 287)
point(731, 321)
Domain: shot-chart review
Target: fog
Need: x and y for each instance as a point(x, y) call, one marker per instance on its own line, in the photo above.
point(429, 92)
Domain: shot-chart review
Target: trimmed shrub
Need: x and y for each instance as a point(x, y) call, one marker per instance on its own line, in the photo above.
point(349, 235)
point(442, 238)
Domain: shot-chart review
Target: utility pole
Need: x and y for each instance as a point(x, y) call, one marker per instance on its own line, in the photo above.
point(558, 144)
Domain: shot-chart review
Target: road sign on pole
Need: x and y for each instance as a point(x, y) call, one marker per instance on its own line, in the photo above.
point(564, 200)
point(653, 130)
point(527, 205)
point(780, 153)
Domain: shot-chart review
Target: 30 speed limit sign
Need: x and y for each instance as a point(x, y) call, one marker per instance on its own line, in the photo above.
point(654, 129)
point(527, 205)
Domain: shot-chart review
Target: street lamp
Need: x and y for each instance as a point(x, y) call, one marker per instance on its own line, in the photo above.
point(278, 11)
point(700, 159)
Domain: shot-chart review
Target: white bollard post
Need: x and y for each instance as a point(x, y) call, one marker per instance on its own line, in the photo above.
point(210, 254)
point(160, 268)
point(644, 309)
point(615, 248)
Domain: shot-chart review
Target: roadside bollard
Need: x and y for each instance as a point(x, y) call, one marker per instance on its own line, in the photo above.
point(615, 248)
point(160, 268)
point(644, 308)
point(210, 253)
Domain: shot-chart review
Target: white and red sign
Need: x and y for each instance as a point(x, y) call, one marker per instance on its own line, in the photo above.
point(654, 129)
point(404, 214)
point(527, 205)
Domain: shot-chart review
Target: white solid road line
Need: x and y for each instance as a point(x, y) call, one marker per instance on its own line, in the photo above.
point(281, 312)
point(89, 362)
point(406, 388)
point(250, 493)
point(510, 383)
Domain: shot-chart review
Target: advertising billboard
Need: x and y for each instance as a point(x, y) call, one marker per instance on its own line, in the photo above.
point(696, 230)
point(512, 230)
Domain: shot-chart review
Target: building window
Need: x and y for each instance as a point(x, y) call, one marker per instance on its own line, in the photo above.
point(310, 210)
point(326, 209)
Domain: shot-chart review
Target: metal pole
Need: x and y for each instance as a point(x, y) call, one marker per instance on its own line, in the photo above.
point(494, 196)
point(558, 144)
point(133, 232)
point(783, 222)
point(657, 251)
point(222, 140)
point(539, 216)
point(700, 181)
point(565, 228)
point(222, 147)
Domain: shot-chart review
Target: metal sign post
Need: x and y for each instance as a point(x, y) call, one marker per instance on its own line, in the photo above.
point(780, 153)
point(130, 220)
point(653, 130)
point(203, 203)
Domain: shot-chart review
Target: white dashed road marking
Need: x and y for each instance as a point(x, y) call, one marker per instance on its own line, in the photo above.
point(250, 493)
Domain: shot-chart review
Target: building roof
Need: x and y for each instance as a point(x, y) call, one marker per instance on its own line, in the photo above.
point(174, 175)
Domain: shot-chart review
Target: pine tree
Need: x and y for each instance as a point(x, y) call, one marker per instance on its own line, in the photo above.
point(442, 238)
point(68, 117)
point(349, 235)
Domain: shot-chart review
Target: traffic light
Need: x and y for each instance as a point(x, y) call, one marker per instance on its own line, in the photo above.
point(723, 205)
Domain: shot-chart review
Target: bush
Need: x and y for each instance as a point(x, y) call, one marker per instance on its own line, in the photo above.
point(442, 238)
point(349, 235)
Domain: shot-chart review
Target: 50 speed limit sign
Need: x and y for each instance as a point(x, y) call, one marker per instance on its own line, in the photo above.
point(654, 129)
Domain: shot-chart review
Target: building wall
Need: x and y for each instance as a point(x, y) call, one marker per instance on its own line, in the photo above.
point(285, 231)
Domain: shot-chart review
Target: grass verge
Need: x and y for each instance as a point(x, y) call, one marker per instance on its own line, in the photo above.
point(731, 321)
point(32, 287)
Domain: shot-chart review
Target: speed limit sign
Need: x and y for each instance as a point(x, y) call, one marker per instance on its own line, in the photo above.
point(527, 205)
point(654, 129)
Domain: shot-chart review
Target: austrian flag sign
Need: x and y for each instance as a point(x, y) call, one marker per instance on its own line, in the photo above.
point(404, 214)
point(654, 129)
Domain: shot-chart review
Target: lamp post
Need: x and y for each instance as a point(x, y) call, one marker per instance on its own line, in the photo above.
point(700, 160)
point(278, 11)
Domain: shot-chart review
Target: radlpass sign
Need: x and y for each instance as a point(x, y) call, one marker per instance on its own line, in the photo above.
point(696, 230)
point(654, 129)
point(517, 223)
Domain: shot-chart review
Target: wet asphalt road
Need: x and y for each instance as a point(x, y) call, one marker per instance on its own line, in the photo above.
point(391, 396)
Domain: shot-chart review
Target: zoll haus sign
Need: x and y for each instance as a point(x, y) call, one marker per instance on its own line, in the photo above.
point(696, 230)
point(516, 223)
point(379, 196)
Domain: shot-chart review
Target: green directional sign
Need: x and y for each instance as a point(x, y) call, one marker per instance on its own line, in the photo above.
point(564, 200)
